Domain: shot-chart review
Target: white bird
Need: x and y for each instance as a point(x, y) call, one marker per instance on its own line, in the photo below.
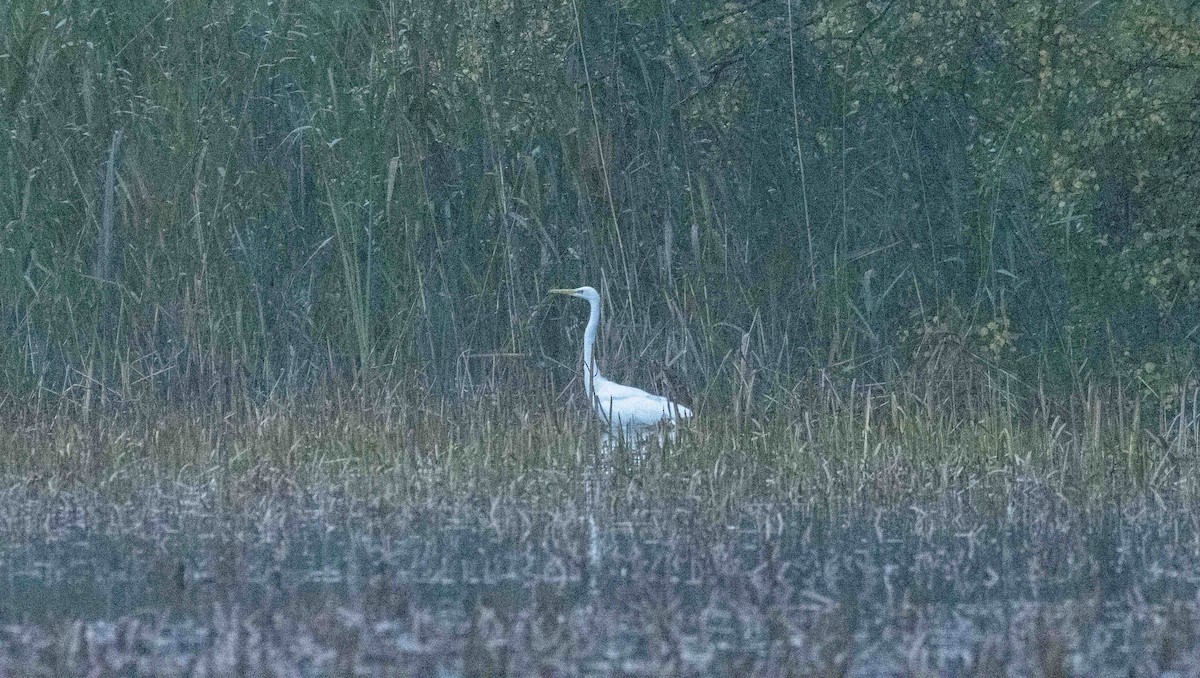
point(620, 407)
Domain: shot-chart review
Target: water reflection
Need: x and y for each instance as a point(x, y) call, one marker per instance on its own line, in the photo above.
point(963, 569)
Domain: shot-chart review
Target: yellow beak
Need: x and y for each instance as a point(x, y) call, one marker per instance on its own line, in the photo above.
point(562, 291)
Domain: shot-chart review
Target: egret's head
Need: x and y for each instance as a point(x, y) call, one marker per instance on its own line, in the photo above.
point(588, 293)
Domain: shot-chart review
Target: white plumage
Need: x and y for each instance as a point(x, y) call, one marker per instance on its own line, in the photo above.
point(620, 407)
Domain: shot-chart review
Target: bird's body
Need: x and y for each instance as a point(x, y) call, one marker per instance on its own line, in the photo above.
point(624, 406)
point(618, 406)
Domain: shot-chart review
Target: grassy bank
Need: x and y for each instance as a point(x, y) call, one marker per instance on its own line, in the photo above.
point(858, 446)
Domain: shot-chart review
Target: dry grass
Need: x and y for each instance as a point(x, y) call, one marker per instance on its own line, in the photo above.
point(367, 534)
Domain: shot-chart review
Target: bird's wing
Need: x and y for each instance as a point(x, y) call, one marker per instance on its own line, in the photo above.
point(606, 390)
point(635, 406)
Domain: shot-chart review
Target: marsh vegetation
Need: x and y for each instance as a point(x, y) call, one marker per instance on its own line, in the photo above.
point(352, 535)
point(281, 392)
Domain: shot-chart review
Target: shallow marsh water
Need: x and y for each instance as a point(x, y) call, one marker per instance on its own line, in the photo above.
point(593, 570)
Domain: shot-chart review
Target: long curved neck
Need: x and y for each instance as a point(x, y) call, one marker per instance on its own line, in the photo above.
point(590, 371)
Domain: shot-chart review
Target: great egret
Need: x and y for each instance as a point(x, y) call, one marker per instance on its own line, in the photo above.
point(620, 407)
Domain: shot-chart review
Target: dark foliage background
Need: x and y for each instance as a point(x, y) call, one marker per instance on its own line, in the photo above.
point(977, 197)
